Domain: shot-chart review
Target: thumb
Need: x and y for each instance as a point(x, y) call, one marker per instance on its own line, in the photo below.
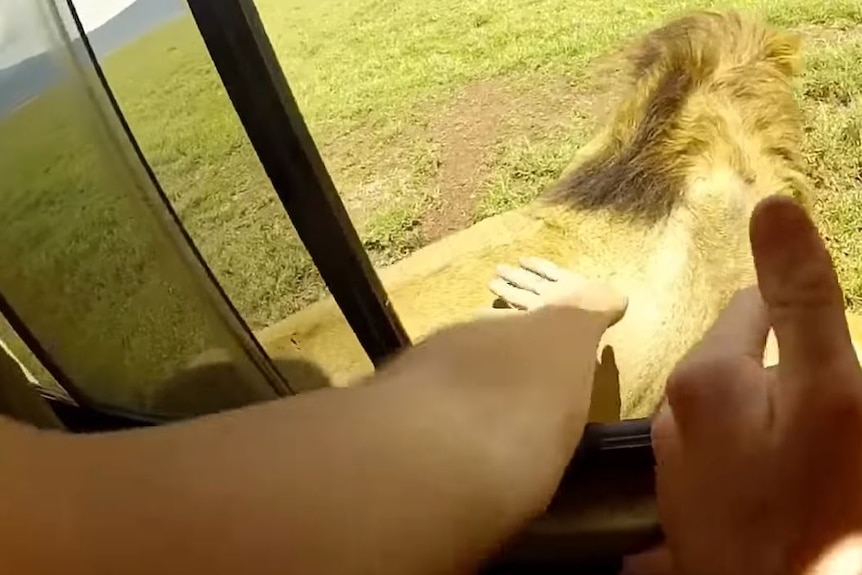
point(799, 287)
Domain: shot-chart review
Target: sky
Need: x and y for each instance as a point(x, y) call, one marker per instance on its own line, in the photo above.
point(94, 13)
point(22, 32)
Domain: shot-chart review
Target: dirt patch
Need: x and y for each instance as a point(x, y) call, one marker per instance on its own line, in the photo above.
point(468, 128)
point(442, 156)
point(830, 35)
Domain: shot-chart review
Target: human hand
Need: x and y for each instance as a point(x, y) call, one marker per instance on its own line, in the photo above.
point(759, 470)
point(537, 282)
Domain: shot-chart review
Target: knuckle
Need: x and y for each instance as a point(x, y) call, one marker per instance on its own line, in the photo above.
point(746, 299)
point(840, 402)
point(692, 386)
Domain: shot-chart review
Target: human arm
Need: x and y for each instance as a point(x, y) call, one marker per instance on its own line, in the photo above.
point(448, 451)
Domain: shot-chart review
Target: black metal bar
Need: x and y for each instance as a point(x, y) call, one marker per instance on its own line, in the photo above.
point(258, 89)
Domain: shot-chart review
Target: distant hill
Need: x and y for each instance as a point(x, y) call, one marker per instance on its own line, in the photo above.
point(133, 22)
point(25, 80)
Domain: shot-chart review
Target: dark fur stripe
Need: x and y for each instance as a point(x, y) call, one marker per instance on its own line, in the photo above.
point(655, 137)
point(631, 180)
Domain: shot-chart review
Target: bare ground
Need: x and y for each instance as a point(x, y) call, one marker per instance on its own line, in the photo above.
point(470, 127)
point(450, 149)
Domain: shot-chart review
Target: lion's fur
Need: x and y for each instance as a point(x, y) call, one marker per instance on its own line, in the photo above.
point(703, 90)
point(657, 203)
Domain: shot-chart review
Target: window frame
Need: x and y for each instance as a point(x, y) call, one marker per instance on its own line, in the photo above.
point(255, 82)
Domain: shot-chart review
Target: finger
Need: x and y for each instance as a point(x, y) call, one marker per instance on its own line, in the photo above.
point(514, 296)
point(799, 286)
point(547, 269)
point(720, 382)
point(615, 310)
point(492, 312)
point(670, 465)
point(664, 435)
point(521, 278)
point(741, 330)
point(592, 296)
point(656, 561)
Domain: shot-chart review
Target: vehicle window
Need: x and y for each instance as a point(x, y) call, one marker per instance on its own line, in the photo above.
point(89, 260)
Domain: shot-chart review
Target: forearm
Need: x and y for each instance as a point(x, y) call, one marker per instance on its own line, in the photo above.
point(342, 481)
point(424, 471)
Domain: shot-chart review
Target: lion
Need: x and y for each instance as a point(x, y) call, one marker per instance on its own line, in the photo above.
point(657, 204)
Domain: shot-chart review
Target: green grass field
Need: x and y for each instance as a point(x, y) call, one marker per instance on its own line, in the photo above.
point(430, 115)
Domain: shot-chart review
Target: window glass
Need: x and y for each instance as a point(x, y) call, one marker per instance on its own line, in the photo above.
point(32, 369)
point(172, 97)
point(90, 261)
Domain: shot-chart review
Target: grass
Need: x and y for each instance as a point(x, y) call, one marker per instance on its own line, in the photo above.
point(523, 167)
point(372, 78)
point(429, 116)
point(81, 266)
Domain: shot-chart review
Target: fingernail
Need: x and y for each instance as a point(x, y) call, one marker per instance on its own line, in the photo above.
point(778, 219)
